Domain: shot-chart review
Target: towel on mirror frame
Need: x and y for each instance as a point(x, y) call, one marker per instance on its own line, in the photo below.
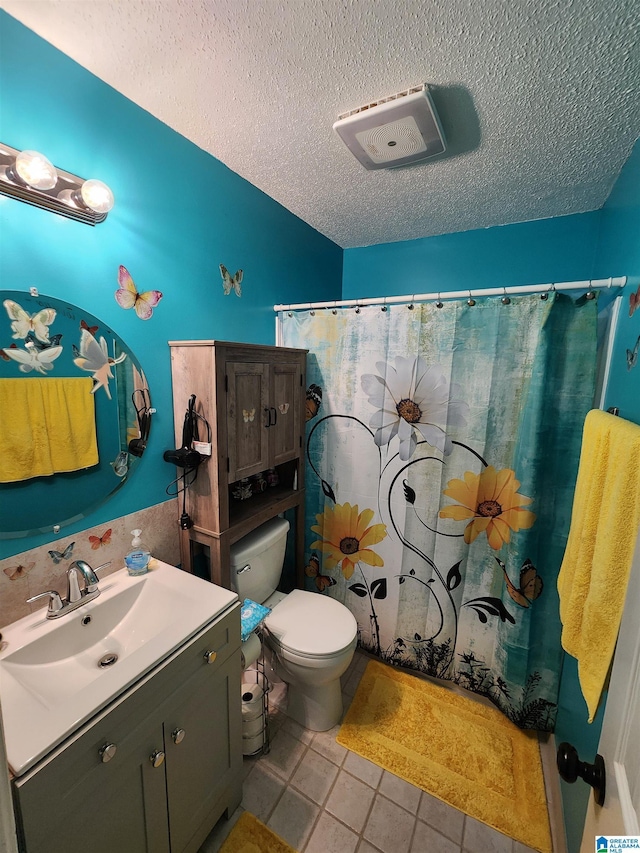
point(47, 426)
point(593, 578)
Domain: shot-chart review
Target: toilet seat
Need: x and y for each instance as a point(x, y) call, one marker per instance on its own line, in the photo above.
point(310, 625)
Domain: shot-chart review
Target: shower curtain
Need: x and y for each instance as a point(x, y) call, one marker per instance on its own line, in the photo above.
point(442, 452)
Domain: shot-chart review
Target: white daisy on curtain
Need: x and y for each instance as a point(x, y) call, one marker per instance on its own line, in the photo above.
point(413, 398)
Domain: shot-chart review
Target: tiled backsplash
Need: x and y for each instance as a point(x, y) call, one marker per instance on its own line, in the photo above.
point(31, 572)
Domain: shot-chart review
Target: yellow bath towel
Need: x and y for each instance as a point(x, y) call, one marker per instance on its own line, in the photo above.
point(604, 526)
point(46, 426)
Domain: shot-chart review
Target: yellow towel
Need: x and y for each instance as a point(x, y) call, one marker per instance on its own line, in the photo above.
point(604, 526)
point(46, 426)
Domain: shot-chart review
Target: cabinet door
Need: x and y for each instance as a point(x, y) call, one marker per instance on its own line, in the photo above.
point(287, 401)
point(204, 753)
point(77, 803)
point(248, 417)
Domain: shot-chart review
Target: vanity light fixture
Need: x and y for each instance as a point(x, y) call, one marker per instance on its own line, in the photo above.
point(28, 176)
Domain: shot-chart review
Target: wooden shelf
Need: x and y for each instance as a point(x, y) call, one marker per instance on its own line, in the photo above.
point(253, 398)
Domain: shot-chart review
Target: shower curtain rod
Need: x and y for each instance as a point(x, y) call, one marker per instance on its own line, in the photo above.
point(596, 284)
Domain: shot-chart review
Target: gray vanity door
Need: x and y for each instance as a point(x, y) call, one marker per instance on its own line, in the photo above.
point(204, 753)
point(79, 802)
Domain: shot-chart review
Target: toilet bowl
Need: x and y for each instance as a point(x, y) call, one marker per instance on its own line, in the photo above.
point(311, 635)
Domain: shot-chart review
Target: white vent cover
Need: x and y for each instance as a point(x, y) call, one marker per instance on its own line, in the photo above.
point(392, 132)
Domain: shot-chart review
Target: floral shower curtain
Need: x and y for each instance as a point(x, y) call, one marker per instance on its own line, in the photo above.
point(442, 451)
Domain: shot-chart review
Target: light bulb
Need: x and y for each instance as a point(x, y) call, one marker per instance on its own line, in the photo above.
point(35, 170)
point(96, 196)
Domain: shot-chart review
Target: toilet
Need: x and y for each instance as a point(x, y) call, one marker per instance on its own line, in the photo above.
point(312, 636)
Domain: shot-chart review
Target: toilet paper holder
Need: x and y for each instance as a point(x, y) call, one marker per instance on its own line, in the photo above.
point(255, 708)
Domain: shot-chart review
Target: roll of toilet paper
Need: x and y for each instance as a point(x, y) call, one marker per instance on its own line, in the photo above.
point(251, 728)
point(250, 650)
point(252, 744)
point(252, 705)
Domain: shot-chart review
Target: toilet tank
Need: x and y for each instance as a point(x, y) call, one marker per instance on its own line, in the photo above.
point(262, 551)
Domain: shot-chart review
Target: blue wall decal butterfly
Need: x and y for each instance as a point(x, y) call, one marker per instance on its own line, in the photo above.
point(230, 282)
point(59, 556)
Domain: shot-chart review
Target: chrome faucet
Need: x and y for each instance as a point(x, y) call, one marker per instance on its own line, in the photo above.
point(58, 606)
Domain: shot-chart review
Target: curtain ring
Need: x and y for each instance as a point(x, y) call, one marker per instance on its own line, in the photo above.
point(471, 301)
point(505, 299)
point(334, 310)
point(290, 314)
point(439, 302)
point(357, 309)
point(545, 296)
point(384, 304)
point(590, 294)
point(411, 306)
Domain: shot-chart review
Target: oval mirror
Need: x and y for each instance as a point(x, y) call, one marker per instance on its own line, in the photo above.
point(75, 413)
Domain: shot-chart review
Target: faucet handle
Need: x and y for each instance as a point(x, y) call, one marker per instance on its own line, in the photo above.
point(55, 602)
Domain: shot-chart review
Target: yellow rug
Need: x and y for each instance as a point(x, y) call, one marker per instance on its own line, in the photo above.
point(455, 748)
point(250, 835)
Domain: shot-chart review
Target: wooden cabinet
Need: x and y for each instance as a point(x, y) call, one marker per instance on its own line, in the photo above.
point(176, 761)
point(253, 398)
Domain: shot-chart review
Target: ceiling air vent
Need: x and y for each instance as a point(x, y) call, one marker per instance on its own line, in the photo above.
point(394, 131)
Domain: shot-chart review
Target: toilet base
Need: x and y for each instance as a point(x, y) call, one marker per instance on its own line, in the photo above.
point(316, 708)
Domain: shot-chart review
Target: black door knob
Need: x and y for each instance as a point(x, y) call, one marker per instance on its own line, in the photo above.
point(570, 768)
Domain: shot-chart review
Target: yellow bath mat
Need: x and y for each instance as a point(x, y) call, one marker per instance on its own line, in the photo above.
point(455, 748)
point(250, 835)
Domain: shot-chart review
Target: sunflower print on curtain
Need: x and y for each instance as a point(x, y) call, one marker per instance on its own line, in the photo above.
point(440, 475)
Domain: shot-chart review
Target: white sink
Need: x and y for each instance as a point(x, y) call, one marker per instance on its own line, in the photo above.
point(51, 677)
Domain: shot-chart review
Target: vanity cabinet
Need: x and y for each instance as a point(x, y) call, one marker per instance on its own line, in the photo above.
point(253, 398)
point(155, 770)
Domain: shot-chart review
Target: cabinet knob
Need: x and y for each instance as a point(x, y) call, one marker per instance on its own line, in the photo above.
point(178, 735)
point(107, 752)
point(157, 757)
point(210, 656)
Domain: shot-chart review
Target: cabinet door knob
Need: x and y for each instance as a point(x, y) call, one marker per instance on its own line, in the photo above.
point(178, 735)
point(210, 656)
point(157, 757)
point(107, 752)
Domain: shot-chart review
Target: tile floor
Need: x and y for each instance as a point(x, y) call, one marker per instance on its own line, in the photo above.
point(322, 798)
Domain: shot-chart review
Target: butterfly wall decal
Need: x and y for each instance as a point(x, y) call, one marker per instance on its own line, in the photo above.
point(531, 585)
point(16, 572)
point(23, 322)
point(230, 282)
point(313, 402)
point(632, 355)
point(634, 301)
point(312, 570)
point(30, 358)
point(248, 415)
point(127, 295)
point(93, 357)
point(98, 541)
point(59, 556)
point(32, 341)
point(91, 329)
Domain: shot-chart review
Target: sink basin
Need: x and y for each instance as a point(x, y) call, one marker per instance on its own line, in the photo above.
point(57, 673)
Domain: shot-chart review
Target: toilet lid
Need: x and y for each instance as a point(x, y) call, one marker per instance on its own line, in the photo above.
point(311, 624)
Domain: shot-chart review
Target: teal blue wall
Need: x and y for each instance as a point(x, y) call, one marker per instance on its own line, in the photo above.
point(561, 249)
point(178, 214)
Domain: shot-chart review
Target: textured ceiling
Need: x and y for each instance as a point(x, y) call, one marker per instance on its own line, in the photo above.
point(539, 100)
